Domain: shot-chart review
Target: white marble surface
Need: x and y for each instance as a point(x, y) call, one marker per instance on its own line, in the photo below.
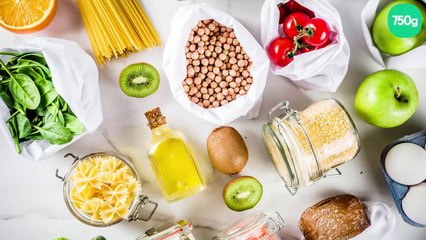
point(32, 205)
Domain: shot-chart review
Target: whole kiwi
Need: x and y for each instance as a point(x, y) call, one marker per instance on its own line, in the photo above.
point(227, 150)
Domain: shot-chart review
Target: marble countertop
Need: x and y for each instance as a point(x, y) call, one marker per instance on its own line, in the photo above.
point(32, 205)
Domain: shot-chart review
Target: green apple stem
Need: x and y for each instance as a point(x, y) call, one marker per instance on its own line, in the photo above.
point(398, 93)
point(399, 97)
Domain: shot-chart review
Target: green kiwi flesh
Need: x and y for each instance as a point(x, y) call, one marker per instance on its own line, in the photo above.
point(242, 193)
point(139, 80)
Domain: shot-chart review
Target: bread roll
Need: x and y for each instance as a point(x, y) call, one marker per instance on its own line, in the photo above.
point(337, 218)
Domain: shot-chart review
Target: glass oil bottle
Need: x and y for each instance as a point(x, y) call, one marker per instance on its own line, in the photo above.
point(172, 161)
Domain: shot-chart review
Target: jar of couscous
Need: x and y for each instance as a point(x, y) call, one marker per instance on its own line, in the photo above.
point(305, 145)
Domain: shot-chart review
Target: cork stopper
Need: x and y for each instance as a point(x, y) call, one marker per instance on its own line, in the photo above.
point(155, 118)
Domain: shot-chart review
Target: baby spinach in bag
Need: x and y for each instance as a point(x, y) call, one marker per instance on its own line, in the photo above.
point(37, 111)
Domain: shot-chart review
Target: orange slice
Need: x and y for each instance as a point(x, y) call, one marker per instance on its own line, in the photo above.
point(26, 16)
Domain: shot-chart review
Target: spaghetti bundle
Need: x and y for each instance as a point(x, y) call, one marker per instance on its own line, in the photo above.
point(116, 27)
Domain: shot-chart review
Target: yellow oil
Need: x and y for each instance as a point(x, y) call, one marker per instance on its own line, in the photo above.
point(176, 171)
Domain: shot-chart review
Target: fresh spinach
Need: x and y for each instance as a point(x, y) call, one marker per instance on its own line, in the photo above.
point(37, 112)
point(73, 124)
point(24, 125)
point(23, 89)
point(47, 92)
point(55, 133)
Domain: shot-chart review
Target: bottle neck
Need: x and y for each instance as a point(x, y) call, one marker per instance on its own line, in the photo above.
point(160, 130)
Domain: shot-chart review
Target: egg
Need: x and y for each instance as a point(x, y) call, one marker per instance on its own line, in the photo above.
point(413, 203)
point(405, 163)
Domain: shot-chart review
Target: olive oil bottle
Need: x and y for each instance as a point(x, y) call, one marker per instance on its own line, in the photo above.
point(172, 160)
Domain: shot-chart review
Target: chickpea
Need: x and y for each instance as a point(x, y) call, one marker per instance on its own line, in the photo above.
point(206, 103)
point(194, 99)
point(223, 84)
point(189, 81)
point(186, 88)
point(213, 84)
point(197, 39)
point(193, 91)
point(197, 81)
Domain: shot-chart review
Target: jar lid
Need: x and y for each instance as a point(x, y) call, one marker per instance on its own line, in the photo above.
point(169, 231)
point(249, 225)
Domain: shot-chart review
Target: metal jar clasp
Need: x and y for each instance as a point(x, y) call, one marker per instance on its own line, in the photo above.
point(76, 158)
point(143, 202)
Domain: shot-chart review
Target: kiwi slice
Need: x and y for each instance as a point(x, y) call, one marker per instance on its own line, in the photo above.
point(242, 193)
point(139, 80)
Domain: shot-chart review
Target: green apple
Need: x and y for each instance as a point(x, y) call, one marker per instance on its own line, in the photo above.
point(388, 42)
point(386, 98)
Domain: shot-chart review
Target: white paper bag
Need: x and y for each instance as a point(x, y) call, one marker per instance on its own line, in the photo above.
point(75, 77)
point(174, 64)
point(413, 59)
point(322, 69)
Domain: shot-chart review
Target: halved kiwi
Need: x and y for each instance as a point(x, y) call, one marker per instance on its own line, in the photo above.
point(242, 193)
point(139, 80)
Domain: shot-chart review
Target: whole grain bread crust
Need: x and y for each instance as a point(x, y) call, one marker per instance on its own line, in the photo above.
point(337, 218)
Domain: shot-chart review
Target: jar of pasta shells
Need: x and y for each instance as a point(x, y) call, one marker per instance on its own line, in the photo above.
point(305, 145)
point(102, 189)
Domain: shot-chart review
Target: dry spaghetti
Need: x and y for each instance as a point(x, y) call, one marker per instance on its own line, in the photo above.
point(116, 27)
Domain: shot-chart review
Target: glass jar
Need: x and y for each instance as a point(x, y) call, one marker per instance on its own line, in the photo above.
point(135, 206)
point(181, 230)
point(305, 145)
point(255, 226)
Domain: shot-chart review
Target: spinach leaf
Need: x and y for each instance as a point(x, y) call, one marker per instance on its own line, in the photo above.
point(55, 133)
point(24, 125)
point(73, 124)
point(30, 72)
point(47, 92)
point(24, 91)
point(38, 57)
point(19, 107)
point(14, 132)
point(6, 99)
point(27, 62)
point(10, 53)
point(61, 118)
point(41, 112)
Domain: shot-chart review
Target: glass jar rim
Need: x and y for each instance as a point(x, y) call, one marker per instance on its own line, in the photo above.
point(249, 224)
point(84, 218)
point(168, 230)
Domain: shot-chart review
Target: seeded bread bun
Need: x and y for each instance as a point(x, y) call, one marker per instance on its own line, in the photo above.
point(341, 217)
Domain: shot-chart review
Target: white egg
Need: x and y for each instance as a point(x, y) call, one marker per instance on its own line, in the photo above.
point(413, 203)
point(405, 163)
